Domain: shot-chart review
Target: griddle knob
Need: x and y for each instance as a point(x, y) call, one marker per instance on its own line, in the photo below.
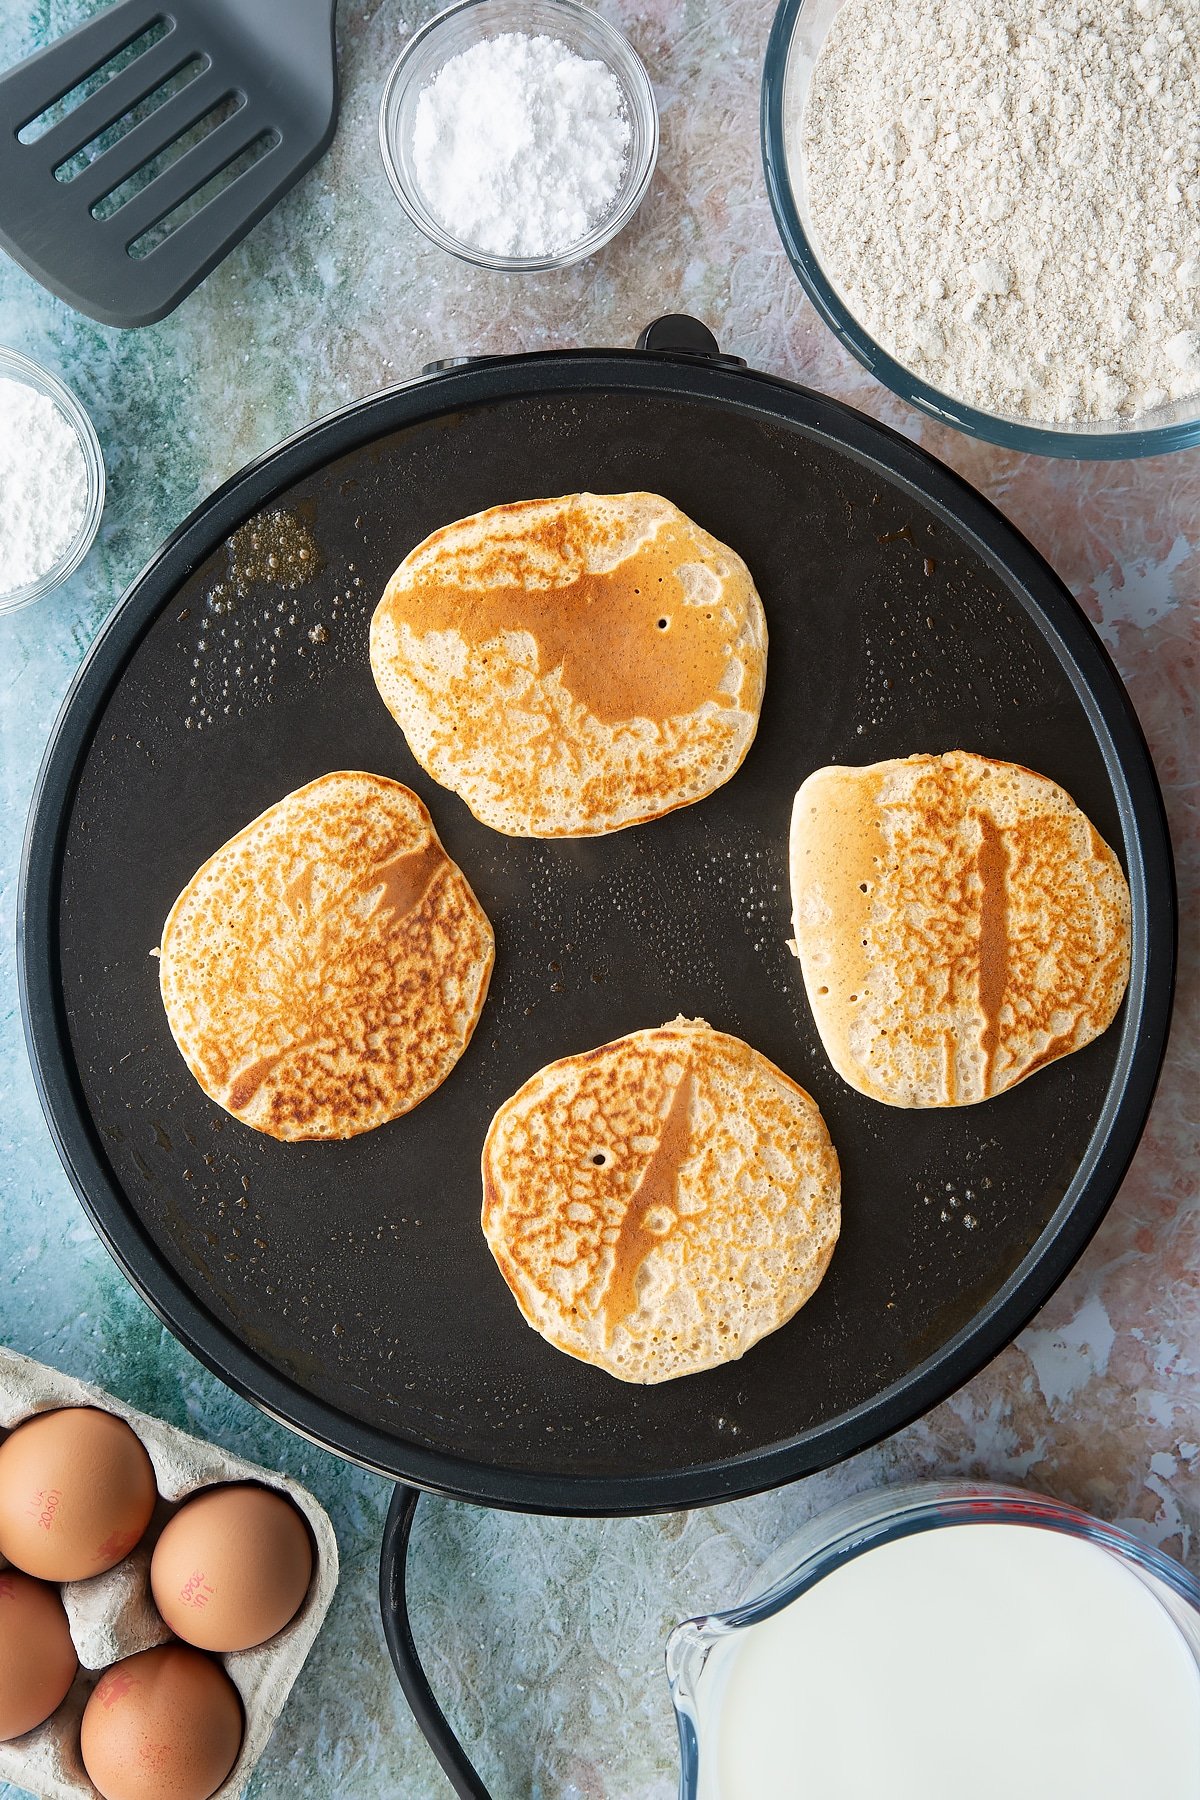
point(678, 334)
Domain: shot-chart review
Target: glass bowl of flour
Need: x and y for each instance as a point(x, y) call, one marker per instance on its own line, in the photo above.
point(51, 482)
point(996, 208)
point(519, 135)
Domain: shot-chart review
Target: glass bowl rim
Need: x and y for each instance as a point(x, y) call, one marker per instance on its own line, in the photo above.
point(15, 364)
point(635, 84)
point(1083, 444)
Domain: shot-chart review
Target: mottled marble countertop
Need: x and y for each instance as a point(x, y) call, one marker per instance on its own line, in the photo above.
point(546, 1636)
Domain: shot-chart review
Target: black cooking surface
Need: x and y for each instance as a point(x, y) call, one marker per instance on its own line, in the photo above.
point(358, 1271)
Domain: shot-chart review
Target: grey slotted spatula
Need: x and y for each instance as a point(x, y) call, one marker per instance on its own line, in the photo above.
point(239, 91)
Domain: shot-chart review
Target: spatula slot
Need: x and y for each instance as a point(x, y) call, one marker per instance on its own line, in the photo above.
point(224, 179)
point(158, 164)
point(112, 135)
point(65, 103)
point(156, 120)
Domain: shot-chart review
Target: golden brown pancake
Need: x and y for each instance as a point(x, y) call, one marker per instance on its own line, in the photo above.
point(959, 924)
point(573, 666)
point(661, 1203)
point(324, 971)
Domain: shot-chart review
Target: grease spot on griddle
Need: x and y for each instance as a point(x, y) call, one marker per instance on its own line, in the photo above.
point(275, 549)
point(235, 657)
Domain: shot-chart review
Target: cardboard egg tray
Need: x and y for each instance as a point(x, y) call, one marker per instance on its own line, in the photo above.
point(113, 1615)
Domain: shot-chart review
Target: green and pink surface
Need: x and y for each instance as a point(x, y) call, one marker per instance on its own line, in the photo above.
point(335, 296)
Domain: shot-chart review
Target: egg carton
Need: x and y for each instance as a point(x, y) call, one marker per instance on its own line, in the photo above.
point(113, 1615)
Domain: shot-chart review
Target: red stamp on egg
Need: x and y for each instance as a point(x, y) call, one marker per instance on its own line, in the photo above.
point(117, 1545)
point(114, 1686)
point(196, 1591)
point(43, 1505)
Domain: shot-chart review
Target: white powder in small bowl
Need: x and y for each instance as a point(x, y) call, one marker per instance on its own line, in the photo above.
point(43, 485)
point(520, 145)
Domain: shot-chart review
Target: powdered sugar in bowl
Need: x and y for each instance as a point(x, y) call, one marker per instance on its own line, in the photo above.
point(520, 135)
point(51, 482)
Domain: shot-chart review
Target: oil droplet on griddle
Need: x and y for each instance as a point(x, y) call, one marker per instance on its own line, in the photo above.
point(276, 548)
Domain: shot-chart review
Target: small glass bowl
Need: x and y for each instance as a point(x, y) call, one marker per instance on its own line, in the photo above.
point(15, 367)
point(880, 1517)
point(472, 21)
point(799, 31)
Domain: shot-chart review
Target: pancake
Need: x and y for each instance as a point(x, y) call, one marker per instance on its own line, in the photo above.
point(573, 666)
point(658, 1205)
point(324, 971)
point(959, 924)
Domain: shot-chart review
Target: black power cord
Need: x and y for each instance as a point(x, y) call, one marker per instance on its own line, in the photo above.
point(397, 1630)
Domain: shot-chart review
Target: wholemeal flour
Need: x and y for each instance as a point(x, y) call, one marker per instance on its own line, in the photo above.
point(1006, 193)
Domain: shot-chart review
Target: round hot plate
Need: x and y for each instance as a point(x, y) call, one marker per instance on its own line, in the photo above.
point(347, 1288)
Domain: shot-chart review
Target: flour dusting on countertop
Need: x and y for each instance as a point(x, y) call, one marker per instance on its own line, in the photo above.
point(43, 484)
point(520, 145)
point(1007, 196)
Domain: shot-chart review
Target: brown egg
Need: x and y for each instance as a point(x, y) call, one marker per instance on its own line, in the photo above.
point(232, 1567)
point(163, 1725)
point(76, 1493)
point(37, 1658)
